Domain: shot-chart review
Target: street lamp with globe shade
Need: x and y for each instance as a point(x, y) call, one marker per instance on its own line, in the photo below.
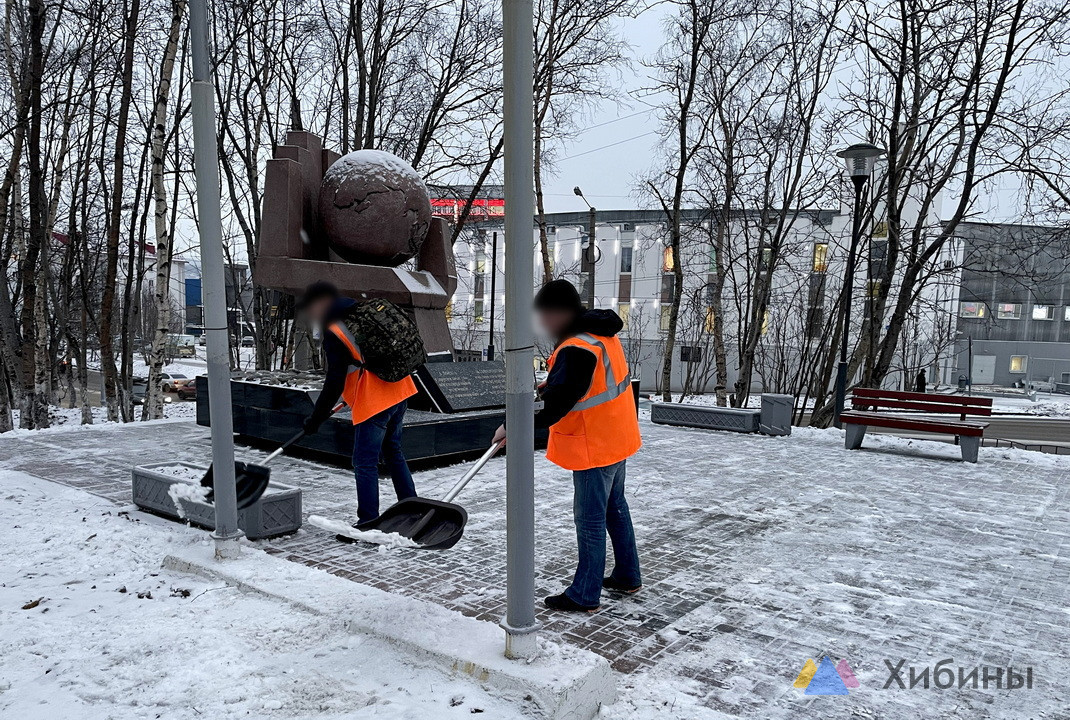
point(860, 160)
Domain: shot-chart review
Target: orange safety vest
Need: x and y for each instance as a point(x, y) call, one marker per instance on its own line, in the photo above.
point(602, 428)
point(365, 393)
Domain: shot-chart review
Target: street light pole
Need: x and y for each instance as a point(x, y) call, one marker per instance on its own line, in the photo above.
point(518, 51)
point(213, 285)
point(592, 228)
point(493, 285)
point(860, 159)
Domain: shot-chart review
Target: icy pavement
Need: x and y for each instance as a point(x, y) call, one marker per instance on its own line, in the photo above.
point(759, 553)
point(95, 629)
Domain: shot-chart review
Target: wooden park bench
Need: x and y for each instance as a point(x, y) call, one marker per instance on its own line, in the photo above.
point(866, 401)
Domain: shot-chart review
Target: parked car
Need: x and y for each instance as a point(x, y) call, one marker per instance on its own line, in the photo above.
point(248, 341)
point(181, 346)
point(202, 339)
point(171, 382)
point(188, 391)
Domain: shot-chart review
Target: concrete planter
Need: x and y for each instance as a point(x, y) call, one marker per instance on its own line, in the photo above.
point(702, 416)
point(278, 512)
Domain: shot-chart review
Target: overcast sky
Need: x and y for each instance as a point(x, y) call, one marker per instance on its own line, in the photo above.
point(619, 143)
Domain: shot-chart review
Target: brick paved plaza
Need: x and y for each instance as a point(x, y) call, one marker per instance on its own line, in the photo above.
point(758, 553)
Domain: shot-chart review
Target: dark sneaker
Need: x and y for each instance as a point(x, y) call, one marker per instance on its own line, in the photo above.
point(567, 604)
point(611, 584)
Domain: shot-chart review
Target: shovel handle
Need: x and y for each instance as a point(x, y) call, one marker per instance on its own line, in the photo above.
point(456, 489)
point(295, 438)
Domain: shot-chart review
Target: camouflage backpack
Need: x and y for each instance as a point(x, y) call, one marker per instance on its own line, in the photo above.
point(386, 337)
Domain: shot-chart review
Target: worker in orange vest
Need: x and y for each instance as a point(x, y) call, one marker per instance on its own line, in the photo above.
point(377, 406)
point(590, 411)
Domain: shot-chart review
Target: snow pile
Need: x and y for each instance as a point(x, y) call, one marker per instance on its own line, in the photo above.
point(95, 629)
point(375, 537)
point(183, 492)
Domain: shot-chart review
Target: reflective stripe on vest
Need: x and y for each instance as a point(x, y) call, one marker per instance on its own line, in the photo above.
point(354, 348)
point(612, 391)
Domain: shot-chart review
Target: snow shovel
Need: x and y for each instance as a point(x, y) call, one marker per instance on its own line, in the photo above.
point(432, 524)
point(251, 480)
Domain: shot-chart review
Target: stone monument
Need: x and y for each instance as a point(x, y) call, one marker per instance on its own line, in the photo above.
point(354, 221)
point(363, 222)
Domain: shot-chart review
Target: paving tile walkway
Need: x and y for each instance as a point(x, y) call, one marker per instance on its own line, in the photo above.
point(758, 554)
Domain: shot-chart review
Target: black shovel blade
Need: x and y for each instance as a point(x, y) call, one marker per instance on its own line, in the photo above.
point(442, 530)
point(250, 482)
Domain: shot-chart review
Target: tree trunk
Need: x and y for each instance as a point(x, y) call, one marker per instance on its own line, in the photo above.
point(162, 290)
point(111, 268)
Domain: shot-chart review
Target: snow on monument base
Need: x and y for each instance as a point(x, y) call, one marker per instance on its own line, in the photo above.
point(277, 512)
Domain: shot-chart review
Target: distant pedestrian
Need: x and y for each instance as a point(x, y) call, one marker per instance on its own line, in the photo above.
point(377, 406)
point(590, 411)
point(920, 381)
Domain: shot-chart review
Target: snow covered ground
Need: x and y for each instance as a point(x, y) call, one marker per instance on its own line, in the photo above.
point(71, 418)
point(759, 553)
point(93, 628)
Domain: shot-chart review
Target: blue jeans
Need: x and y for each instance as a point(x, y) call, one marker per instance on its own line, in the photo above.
point(379, 435)
point(599, 506)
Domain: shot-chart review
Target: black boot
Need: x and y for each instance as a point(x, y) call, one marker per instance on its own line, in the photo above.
point(610, 584)
point(567, 604)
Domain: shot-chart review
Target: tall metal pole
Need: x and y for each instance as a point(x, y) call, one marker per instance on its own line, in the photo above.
point(591, 258)
point(493, 285)
point(848, 297)
point(206, 166)
point(517, 66)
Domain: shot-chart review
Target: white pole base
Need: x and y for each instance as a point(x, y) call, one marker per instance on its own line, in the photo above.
point(521, 644)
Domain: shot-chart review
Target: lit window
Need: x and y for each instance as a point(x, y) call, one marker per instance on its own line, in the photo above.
point(710, 320)
point(972, 310)
point(1008, 311)
point(667, 263)
point(665, 312)
point(821, 253)
point(1019, 363)
point(623, 309)
point(1043, 312)
point(478, 310)
point(449, 311)
point(481, 262)
point(765, 322)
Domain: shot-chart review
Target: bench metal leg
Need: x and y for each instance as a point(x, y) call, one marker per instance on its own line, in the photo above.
point(969, 447)
point(855, 433)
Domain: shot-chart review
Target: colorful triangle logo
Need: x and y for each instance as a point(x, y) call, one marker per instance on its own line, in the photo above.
point(825, 678)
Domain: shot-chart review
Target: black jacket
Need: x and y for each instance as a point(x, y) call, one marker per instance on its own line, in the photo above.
point(573, 370)
point(338, 361)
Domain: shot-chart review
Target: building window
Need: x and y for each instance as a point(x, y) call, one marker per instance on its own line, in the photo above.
point(765, 257)
point(1043, 312)
point(765, 323)
point(821, 254)
point(665, 311)
point(1066, 313)
point(710, 322)
point(667, 263)
point(626, 258)
point(1019, 363)
point(1009, 311)
point(449, 311)
point(477, 310)
point(713, 258)
point(668, 287)
point(481, 262)
point(971, 310)
point(623, 309)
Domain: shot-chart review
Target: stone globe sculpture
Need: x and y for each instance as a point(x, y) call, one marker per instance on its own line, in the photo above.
point(374, 208)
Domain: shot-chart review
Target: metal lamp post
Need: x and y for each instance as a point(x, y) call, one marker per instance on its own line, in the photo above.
point(520, 623)
point(860, 160)
point(591, 261)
